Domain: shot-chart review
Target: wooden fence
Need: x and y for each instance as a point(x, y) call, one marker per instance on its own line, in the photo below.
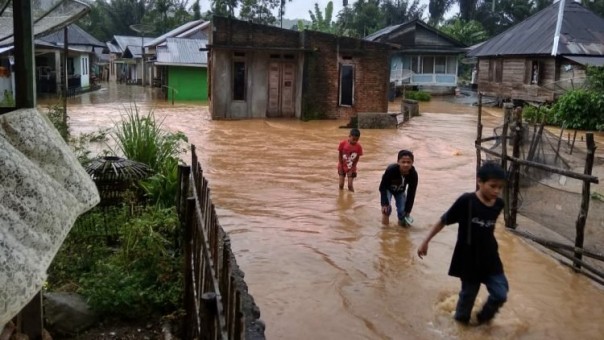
point(511, 135)
point(212, 298)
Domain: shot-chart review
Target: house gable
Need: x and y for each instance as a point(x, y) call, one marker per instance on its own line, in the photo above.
point(580, 34)
point(415, 34)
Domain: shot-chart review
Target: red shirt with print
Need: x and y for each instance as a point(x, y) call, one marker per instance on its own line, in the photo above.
point(350, 152)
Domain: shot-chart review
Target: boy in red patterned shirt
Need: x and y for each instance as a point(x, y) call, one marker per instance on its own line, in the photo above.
point(350, 151)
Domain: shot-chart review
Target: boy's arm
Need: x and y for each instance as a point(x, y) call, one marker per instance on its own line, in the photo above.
point(423, 248)
point(411, 190)
point(384, 188)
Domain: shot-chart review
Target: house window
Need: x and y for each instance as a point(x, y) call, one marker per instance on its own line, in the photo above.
point(238, 80)
point(452, 65)
point(496, 70)
point(533, 71)
point(346, 85)
point(84, 66)
point(440, 65)
point(428, 65)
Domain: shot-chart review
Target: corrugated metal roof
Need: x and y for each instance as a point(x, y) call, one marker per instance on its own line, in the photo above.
point(192, 25)
point(375, 35)
point(592, 60)
point(183, 52)
point(113, 48)
point(75, 36)
point(124, 41)
point(383, 35)
point(582, 33)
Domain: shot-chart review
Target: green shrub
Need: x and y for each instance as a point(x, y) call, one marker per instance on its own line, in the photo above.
point(144, 275)
point(537, 115)
point(580, 109)
point(418, 95)
point(142, 139)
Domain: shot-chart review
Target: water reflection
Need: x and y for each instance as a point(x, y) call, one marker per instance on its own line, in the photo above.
point(318, 261)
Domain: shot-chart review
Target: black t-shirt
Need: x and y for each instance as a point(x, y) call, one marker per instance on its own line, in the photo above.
point(476, 253)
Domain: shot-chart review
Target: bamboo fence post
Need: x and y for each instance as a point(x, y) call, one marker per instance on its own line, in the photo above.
point(190, 277)
point(580, 227)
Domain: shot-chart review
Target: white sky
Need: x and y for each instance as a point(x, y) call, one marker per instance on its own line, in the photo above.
point(298, 9)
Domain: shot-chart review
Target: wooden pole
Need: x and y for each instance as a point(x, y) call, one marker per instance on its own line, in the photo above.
point(478, 135)
point(518, 135)
point(192, 318)
point(64, 75)
point(507, 114)
point(580, 227)
point(25, 80)
point(583, 177)
point(559, 143)
point(572, 146)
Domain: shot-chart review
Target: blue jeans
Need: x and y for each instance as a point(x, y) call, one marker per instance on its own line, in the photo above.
point(497, 285)
point(399, 198)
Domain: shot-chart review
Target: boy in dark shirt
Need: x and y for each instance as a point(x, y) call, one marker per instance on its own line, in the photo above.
point(476, 257)
point(399, 180)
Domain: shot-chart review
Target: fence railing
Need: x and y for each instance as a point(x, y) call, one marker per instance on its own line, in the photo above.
point(212, 299)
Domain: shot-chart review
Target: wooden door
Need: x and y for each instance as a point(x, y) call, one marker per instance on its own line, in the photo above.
point(281, 89)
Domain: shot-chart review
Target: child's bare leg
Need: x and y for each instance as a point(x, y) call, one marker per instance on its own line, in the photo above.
point(350, 186)
point(342, 181)
point(385, 219)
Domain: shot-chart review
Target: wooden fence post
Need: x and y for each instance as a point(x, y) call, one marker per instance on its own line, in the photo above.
point(518, 141)
point(507, 114)
point(31, 318)
point(189, 294)
point(478, 141)
point(586, 196)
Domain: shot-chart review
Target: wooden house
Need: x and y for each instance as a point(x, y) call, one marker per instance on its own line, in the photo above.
point(127, 61)
point(260, 71)
point(424, 57)
point(180, 68)
point(537, 60)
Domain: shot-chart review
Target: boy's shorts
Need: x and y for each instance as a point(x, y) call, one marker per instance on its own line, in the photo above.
point(351, 175)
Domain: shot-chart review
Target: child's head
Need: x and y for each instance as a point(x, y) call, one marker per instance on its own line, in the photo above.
point(491, 179)
point(405, 160)
point(354, 136)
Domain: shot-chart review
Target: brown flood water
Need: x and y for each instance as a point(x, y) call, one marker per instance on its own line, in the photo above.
point(318, 261)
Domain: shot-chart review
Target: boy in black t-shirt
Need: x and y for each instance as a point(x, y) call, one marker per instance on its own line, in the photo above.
point(399, 181)
point(476, 257)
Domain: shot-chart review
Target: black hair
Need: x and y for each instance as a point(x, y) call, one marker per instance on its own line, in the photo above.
point(490, 170)
point(404, 153)
point(354, 132)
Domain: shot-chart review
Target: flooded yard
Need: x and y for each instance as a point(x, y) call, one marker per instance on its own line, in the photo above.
point(318, 261)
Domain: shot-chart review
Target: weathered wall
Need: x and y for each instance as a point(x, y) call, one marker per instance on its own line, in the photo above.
point(322, 68)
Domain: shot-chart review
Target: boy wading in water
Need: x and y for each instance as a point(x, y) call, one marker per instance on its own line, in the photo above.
point(398, 179)
point(349, 152)
point(476, 258)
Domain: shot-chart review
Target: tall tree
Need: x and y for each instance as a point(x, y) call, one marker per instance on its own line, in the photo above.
point(196, 8)
point(437, 10)
point(322, 21)
point(224, 8)
point(259, 11)
point(596, 6)
point(467, 32)
point(367, 16)
point(396, 12)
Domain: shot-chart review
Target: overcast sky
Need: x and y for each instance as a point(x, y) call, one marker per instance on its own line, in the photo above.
point(298, 9)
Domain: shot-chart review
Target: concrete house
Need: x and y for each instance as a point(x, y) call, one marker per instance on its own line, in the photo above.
point(81, 58)
point(259, 71)
point(424, 56)
point(180, 65)
point(538, 60)
point(126, 62)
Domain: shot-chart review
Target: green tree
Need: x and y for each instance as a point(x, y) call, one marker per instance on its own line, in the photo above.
point(196, 8)
point(467, 32)
point(437, 9)
point(363, 18)
point(396, 12)
point(596, 6)
point(322, 20)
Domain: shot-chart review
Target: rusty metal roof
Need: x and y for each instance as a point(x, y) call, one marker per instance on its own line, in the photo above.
point(582, 33)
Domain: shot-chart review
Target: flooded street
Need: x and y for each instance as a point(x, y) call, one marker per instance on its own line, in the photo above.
point(318, 261)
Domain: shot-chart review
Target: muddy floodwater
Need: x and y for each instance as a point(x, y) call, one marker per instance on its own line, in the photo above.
point(318, 261)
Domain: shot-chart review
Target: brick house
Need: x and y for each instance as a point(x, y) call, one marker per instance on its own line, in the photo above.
point(259, 71)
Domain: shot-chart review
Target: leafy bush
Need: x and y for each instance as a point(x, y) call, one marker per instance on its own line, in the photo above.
point(418, 95)
point(142, 139)
point(580, 109)
point(144, 275)
point(537, 115)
